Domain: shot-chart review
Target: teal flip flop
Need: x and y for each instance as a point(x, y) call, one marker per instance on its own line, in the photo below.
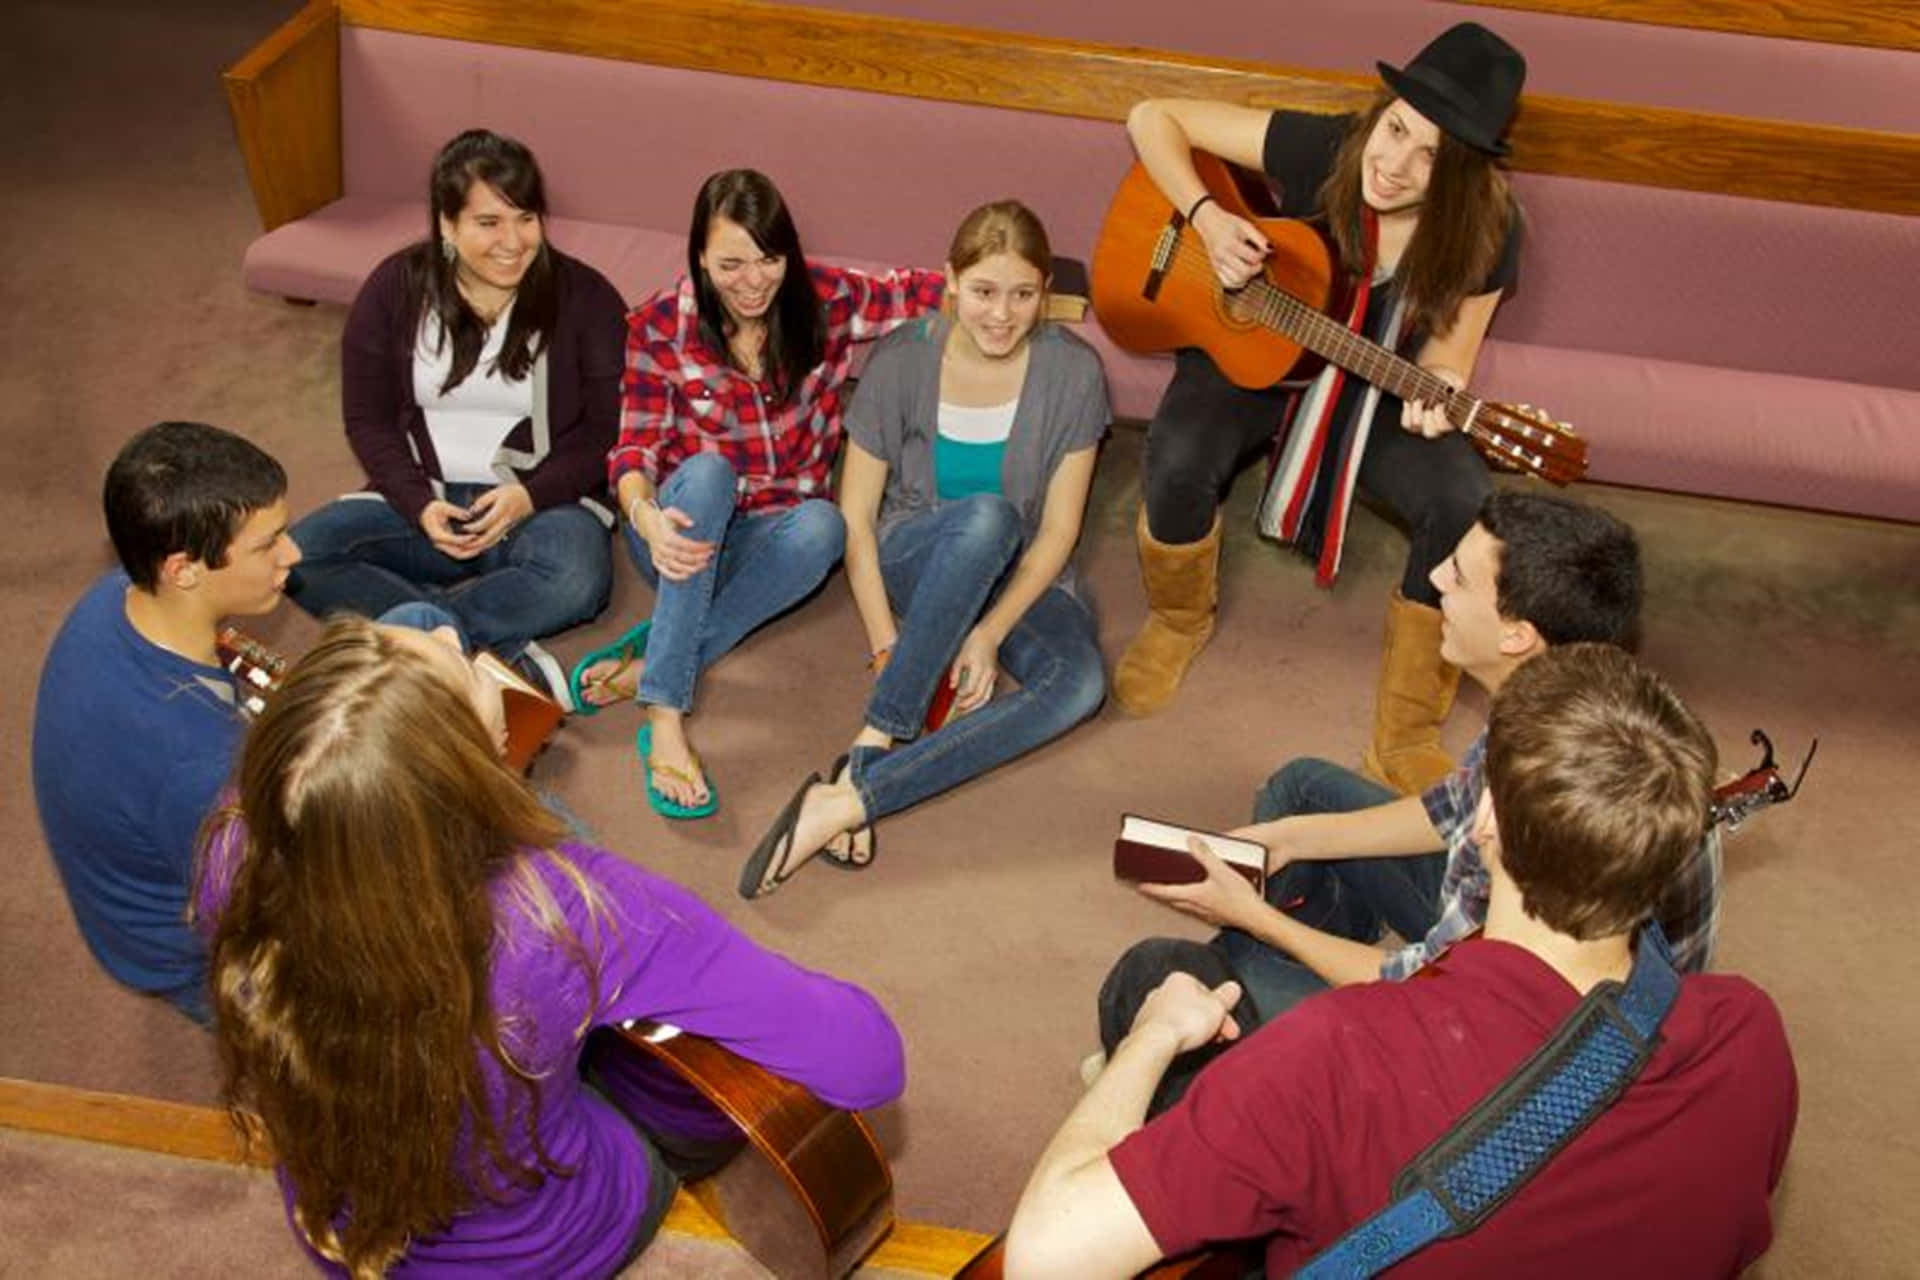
point(665, 805)
point(628, 648)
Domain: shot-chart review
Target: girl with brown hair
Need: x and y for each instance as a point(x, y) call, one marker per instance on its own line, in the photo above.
point(729, 427)
point(408, 953)
point(1409, 194)
point(971, 450)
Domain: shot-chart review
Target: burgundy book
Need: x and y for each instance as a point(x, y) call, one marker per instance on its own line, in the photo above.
point(1151, 852)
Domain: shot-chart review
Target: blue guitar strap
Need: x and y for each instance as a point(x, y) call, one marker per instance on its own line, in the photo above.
point(1512, 1133)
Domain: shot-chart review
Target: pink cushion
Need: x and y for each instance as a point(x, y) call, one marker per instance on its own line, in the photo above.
point(626, 143)
point(1709, 279)
point(1802, 442)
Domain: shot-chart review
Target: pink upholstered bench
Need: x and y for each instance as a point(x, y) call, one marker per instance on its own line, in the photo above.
point(1707, 344)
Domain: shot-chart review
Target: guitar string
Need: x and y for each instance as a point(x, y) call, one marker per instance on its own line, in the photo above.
point(1277, 309)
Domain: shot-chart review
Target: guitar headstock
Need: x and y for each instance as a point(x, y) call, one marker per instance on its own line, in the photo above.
point(1523, 438)
point(1737, 800)
point(256, 669)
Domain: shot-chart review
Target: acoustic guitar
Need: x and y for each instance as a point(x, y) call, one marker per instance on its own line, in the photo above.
point(532, 716)
point(801, 1185)
point(1154, 289)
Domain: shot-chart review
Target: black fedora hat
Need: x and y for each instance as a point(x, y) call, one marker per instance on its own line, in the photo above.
point(1467, 82)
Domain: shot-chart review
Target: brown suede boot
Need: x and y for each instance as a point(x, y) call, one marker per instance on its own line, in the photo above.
point(1416, 692)
point(1183, 589)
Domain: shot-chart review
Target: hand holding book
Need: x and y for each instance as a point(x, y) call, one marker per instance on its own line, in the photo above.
point(1224, 898)
point(1186, 870)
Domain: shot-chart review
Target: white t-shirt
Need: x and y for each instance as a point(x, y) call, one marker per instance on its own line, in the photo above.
point(469, 422)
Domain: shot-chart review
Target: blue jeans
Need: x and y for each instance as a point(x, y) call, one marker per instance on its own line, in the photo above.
point(767, 563)
point(940, 568)
point(550, 573)
point(195, 1001)
point(1356, 898)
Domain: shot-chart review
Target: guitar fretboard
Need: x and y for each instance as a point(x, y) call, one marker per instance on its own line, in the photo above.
point(1327, 338)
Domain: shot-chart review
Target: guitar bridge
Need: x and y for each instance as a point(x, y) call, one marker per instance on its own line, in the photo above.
point(1163, 250)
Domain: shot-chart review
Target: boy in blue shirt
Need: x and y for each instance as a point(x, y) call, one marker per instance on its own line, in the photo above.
point(136, 724)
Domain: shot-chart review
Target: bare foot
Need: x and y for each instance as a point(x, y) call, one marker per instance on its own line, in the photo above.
point(612, 680)
point(676, 769)
point(855, 847)
point(831, 809)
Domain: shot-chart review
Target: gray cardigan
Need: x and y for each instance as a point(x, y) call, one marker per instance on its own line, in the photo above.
point(895, 412)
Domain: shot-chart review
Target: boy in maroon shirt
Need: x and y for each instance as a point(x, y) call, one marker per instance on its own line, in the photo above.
point(1598, 781)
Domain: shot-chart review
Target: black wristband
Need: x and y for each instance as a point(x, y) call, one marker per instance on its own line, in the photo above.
point(1195, 207)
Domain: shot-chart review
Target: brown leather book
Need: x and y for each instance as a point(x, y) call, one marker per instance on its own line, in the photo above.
point(1067, 293)
point(531, 715)
point(1151, 852)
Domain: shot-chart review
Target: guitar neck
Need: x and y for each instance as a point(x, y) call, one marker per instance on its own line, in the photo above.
point(1339, 345)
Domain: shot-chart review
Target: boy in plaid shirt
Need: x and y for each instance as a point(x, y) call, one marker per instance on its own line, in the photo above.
point(1348, 860)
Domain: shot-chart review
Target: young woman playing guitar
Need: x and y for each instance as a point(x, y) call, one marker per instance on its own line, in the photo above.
point(1424, 223)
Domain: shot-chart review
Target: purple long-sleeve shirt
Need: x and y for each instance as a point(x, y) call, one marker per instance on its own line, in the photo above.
point(655, 951)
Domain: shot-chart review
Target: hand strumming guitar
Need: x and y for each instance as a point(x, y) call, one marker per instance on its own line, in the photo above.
point(1234, 246)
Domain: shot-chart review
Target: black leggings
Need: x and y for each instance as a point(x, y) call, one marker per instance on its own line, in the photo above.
point(1207, 430)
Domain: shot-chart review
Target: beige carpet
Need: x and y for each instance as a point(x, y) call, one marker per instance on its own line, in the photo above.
point(990, 917)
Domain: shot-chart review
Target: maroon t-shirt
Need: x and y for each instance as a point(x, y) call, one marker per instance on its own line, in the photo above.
point(1298, 1134)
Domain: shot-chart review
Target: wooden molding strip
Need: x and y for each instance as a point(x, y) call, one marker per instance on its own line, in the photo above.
point(120, 1120)
point(206, 1133)
point(1876, 24)
point(1649, 146)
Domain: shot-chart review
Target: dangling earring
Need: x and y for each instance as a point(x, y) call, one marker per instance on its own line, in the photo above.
point(447, 252)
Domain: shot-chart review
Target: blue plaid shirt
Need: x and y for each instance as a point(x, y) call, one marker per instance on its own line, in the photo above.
point(1690, 911)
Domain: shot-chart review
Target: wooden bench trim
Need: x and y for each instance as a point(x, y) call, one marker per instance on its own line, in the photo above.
point(1647, 146)
point(1875, 24)
point(285, 99)
point(121, 1120)
point(205, 1133)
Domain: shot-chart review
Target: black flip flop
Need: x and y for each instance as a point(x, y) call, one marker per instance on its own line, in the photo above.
point(778, 842)
point(835, 858)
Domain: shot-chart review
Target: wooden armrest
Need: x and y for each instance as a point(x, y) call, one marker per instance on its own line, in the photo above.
point(285, 99)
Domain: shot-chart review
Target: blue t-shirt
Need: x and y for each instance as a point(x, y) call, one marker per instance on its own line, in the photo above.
point(131, 743)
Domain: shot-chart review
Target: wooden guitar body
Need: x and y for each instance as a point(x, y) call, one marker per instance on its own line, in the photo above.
point(801, 1185)
point(1147, 309)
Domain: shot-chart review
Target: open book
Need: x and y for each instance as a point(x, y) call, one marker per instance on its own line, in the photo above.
point(1156, 853)
point(531, 715)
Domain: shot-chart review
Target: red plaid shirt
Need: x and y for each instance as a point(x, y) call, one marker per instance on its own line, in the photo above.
point(680, 397)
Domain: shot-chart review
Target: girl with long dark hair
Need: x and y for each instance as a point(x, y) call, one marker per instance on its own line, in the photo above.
point(1409, 193)
point(729, 428)
point(480, 379)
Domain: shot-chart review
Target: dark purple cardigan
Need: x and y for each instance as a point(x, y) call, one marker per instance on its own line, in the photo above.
point(388, 431)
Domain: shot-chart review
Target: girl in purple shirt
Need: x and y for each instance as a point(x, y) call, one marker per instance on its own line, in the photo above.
point(407, 959)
